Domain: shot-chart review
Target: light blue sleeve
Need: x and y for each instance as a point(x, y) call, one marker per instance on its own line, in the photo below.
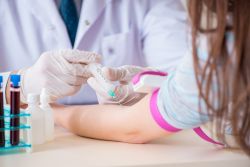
point(178, 98)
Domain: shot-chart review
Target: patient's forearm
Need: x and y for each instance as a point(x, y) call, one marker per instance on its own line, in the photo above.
point(94, 121)
point(110, 122)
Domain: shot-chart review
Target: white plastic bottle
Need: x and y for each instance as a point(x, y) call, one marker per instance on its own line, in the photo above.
point(48, 112)
point(37, 119)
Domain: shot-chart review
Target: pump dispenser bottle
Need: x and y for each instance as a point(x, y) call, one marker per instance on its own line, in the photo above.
point(37, 119)
point(48, 112)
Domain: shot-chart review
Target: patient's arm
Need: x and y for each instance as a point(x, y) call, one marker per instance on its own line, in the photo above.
point(132, 124)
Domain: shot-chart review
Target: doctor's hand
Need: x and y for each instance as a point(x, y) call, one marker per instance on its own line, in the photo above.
point(62, 72)
point(124, 93)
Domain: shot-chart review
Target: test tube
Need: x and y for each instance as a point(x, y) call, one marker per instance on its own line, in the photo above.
point(2, 133)
point(14, 108)
point(96, 70)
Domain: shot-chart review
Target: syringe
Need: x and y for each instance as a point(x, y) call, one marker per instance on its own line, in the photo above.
point(96, 70)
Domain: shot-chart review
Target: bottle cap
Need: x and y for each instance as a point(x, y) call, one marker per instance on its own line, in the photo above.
point(15, 80)
point(33, 98)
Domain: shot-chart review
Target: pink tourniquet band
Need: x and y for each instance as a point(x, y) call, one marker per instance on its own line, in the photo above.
point(137, 78)
point(157, 115)
point(165, 125)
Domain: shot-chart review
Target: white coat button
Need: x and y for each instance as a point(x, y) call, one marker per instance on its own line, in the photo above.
point(110, 50)
point(87, 22)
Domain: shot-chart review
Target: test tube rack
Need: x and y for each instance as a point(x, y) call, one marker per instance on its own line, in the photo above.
point(25, 142)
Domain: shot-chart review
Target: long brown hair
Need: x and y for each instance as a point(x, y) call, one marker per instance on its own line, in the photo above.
point(230, 70)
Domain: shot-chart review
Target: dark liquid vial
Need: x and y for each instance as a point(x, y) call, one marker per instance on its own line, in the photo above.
point(2, 136)
point(14, 122)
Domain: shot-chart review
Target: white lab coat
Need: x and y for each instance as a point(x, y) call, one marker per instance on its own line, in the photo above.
point(138, 32)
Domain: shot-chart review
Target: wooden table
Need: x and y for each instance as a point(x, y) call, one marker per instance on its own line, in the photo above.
point(183, 149)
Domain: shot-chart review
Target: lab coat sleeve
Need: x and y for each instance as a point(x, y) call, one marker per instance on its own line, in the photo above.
point(5, 82)
point(164, 35)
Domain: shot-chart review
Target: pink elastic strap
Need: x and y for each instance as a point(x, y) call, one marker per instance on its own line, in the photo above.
point(156, 113)
point(137, 78)
point(203, 135)
point(157, 116)
point(165, 125)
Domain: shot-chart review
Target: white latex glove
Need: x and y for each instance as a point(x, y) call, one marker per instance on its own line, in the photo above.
point(123, 89)
point(61, 72)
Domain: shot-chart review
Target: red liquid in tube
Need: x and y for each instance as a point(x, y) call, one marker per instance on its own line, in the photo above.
point(15, 109)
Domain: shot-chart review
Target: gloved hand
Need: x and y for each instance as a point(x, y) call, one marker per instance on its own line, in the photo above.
point(124, 94)
point(61, 72)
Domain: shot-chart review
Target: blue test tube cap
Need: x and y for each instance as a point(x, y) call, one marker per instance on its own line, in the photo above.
point(1, 81)
point(15, 80)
